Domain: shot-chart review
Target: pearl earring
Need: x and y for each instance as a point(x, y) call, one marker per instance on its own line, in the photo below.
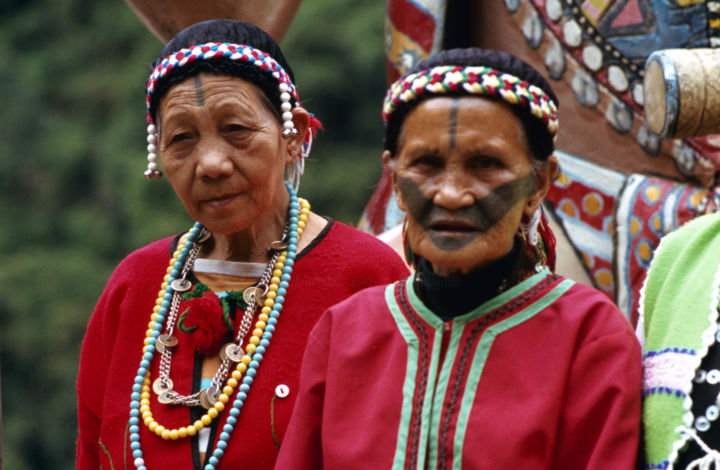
point(286, 108)
point(152, 171)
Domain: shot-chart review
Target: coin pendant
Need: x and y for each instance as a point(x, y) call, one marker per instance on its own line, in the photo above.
point(207, 400)
point(166, 398)
point(181, 285)
point(251, 293)
point(167, 340)
point(231, 351)
point(161, 386)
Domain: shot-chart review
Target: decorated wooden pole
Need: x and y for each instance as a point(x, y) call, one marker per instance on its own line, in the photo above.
point(165, 18)
point(682, 92)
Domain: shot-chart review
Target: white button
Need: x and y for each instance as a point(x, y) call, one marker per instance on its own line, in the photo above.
point(282, 390)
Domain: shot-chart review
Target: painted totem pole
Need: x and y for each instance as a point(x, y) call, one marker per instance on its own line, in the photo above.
point(622, 186)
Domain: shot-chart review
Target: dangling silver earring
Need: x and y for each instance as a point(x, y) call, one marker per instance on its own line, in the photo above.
point(152, 171)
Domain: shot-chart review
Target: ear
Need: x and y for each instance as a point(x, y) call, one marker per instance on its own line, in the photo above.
point(390, 167)
point(301, 119)
point(544, 177)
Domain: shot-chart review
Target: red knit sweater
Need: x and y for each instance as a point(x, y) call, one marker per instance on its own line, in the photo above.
point(340, 262)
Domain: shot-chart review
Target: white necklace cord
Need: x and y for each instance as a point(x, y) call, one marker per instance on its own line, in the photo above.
point(709, 461)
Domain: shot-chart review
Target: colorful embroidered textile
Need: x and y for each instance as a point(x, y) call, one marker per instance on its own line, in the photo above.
point(678, 323)
point(544, 376)
point(340, 262)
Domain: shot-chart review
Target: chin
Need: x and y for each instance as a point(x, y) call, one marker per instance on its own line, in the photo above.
point(460, 261)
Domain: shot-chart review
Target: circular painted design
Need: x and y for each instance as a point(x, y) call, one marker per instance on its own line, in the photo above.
point(554, 10)
point(696, 198)
point(592, 203)
point(638, 93)
point(648, 140)
point(656, 223)
point(572, 33)
point(568, 208)
point(643, 252)
point(684, 158)
point(533, 31)
point(651, 194)
point(588, 260)
point(617, 78)
point(619, 116)
point(585, 90)
point(562, 180)
point(512, 5)
point(603, 279)
point(592, 56)
point(555, 61)
point(609, 225)
point(636, 225)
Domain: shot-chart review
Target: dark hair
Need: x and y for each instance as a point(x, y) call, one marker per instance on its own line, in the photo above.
point(236, 32)
point(539, 138)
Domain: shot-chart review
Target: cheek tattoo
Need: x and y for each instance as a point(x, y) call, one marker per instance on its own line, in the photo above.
point(481, 216)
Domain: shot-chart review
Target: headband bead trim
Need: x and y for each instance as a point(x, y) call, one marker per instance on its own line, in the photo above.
point(477, 80)
point(235, 52)
point(216, 50)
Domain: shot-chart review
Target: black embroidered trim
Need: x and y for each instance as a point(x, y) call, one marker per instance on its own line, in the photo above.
point(419, 398)
point(479, 328)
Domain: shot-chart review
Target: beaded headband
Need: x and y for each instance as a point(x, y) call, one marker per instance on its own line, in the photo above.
point(227, 51)
point(479, 80)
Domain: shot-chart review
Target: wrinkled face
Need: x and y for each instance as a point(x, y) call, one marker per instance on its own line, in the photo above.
point(222, 151)
point(463, 174)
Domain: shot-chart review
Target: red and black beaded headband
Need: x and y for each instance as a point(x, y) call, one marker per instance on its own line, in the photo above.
point(474, 80)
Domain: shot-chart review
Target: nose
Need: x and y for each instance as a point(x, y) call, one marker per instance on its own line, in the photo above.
point(452, 192)
point(213, 161)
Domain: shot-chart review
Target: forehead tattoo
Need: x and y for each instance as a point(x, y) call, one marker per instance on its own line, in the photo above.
point(482, 215)
point(199, 90)
point(452, 122)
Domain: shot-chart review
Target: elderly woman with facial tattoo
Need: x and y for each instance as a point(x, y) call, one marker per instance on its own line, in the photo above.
point(482, 359)
point(191, 359)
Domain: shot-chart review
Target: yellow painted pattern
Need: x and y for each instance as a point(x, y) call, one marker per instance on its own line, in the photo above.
point(595, 9)
point(400, 49)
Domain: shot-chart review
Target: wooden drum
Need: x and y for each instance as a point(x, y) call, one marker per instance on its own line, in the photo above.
point(682, 92)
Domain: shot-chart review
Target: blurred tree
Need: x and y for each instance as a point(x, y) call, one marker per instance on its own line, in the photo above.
point(73, 197)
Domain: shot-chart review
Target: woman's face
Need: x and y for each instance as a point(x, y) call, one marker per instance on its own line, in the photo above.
point(463, 175)
point(223, 152)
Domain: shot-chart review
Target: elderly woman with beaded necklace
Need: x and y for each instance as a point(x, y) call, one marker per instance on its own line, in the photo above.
point(191, 357)
point(482, 359)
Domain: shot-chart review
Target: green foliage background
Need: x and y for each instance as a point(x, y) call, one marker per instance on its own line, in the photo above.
point(74, 201)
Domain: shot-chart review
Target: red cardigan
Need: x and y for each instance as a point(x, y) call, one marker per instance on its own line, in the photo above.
point(545, 376)
point(340, 262)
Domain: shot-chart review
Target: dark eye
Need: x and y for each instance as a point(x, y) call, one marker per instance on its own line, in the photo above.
point(235, 128)
point(484, 162)
point(179, 137)
point(428, 161)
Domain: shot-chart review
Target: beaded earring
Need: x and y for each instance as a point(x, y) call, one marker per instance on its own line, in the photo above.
point(233, 52)
point(152, 171)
